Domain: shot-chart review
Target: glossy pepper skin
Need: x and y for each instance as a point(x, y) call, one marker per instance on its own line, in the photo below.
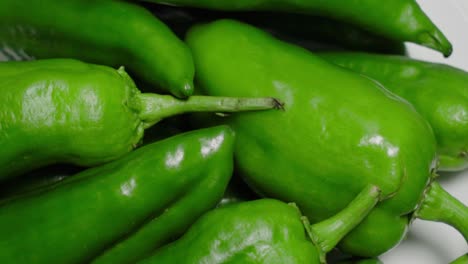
point(312, 32)
point(67, 111)
point(36, 179)
point(168, 185)
point(55, 173)
point(405, 22)
point(438, 92)
point(263, 231)
point(339, 131)
point(112, 33)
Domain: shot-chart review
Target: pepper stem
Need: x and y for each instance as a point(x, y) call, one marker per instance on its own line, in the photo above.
point(439, 205)
point(328, 233)
point(155, 107)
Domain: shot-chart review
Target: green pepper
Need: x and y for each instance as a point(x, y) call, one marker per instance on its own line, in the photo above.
point(338, 257)
point(55, 173)
point(399, 20)
point(264, 231)
point(338, 132)
point(438, 92)
point(67, 111)
point(167, 185)
point(113, 33)
point(320, 33)
point(461, 260)
point(37, 179)
point(315, 33)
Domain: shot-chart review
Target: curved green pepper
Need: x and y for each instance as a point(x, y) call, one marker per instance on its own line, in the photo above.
point(113, 33)
point(168, 184)
point(55, 173)
point(264, 231)
point(319, 33)
point(36, 179)
point(315, 33)
point(62, 110)
point(339, 132)
point(438, 92)
point(405, 22)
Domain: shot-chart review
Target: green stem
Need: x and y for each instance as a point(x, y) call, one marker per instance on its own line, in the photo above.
point(439, 205)
point(155, 107)
point(328, 233)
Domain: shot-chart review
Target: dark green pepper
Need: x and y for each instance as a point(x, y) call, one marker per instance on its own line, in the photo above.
point(361, 261)
point(166, 185)
point(237, 191)
point(438, 92)
point(400, 20)
point(264, 231)
point(113, 33)
point(338, 257)
point(63, 110)
point(37, 179)
point(319, 33)
point(339, 132)
point(312, 32)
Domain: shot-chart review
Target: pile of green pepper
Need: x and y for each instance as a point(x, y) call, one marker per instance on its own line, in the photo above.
point(298, 152)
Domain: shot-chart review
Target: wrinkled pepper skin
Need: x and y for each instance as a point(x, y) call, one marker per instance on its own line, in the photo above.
point(339, 131)
point(67, 111)
point(314, 33)
point(405, 22)
point(112, 33)
point(438, 92)
point(264, 231)
point(168, 184)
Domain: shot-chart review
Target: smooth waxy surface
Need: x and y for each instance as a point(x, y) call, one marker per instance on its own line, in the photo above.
point(405, 22)
point(64, 111)
point(82, 216)
point(261, 231)
point(339, 131)
point(67, 111)
point(265, 231)
point(113, 33)
point(312, 32)
point(439, 92)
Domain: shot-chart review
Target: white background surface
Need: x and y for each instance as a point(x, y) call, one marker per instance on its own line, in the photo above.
point(428, 242)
